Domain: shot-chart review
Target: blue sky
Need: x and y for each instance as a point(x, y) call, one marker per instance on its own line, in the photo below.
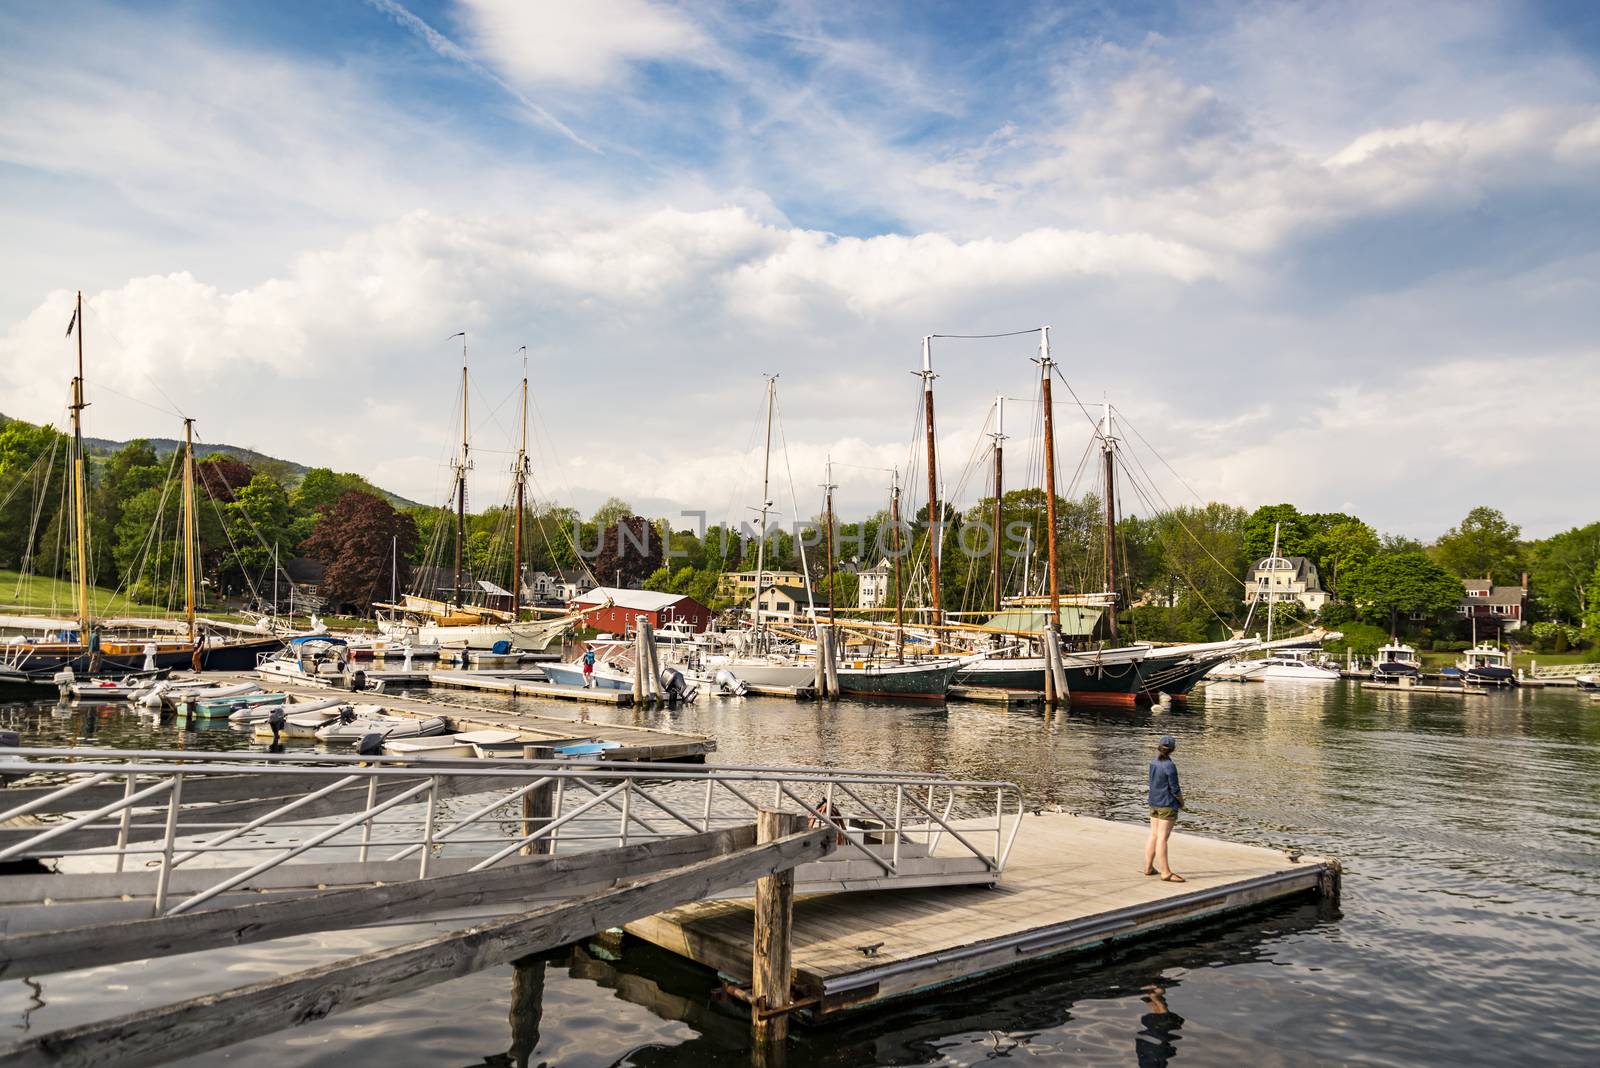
point(1344, 255)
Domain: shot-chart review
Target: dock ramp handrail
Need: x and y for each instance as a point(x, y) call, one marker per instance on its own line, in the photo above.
point(167, 832)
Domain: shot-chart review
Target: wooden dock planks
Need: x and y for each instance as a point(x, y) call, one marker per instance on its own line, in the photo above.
point(1071, 882)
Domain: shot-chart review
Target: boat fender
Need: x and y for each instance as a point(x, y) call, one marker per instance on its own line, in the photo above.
point(370, 744)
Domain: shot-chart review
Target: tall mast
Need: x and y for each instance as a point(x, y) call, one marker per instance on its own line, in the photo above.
point(79, 478)
point(1108, 448)
point(521, 481)
point(899, 598)
point(827, 488)
point(394, 568)
point(999, 436)
point(462, 464)
point(1272, 565)
point(766, 504)
point(934, 514)
point(188, 524)
point(1046, 364)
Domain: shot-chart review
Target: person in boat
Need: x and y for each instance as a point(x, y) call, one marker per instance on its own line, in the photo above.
point(588, 668)
point(1166, 799)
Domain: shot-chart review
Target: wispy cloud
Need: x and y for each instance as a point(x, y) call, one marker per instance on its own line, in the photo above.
point(448, 49)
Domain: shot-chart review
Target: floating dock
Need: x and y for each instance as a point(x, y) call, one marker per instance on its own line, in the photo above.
point(994, 695)
point(1458, 691)
point(1070, 883)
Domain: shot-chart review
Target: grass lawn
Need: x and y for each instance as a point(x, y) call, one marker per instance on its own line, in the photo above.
point(37, 593)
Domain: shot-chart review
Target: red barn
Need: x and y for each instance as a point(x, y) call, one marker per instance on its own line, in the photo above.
point(622, 616)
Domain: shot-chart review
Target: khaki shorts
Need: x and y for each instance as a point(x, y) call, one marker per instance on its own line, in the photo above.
point(1164, 813)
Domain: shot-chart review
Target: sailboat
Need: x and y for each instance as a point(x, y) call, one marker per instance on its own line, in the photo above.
point(87, 647)
point(1117, 673)
point(454, 623)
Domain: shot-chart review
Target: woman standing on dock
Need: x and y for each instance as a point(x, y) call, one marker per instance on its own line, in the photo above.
point(1166, 798)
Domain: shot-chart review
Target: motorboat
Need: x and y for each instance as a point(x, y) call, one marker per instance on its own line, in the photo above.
point(353, 727)
point(1294, 665)
point(1588, 682)
point(314, 657)
point(1235, 671)
point(1486, 665)
point(1395, 661)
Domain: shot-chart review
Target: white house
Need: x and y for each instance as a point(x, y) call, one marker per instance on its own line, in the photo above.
point(872, 589)
point(1286, 578)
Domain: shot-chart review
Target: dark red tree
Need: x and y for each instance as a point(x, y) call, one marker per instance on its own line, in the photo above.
point(633, 547)
point(352, 539)
point(219, 476)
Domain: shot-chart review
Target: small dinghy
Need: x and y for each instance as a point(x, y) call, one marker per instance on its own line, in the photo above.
point(171, 695)
point(305, 724)
point(493, 743)
point(258, 713)
point(354, 728)
point(224, 707)
point(123, 689)
point(441, 746)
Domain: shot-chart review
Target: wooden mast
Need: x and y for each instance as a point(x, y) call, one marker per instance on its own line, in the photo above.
point(188, 525)
point(462, 464)
point(827, 489)
point(80, 509)
point(1108, 448)
point(899, 597)
point(521, 481)
point(999, 488)
point(766, 504)
point(934, 515)
point(1046, 364)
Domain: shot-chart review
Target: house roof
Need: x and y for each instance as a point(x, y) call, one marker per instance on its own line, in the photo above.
point(1304, 570)
point(797, 594)
point(635, 600)
point(1490, 593)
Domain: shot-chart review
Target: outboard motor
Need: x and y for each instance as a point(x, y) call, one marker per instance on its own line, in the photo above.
point(370, 744)
point(151, 698)
point(729, 683)
point(677, 687)
point(358, 680)
point(276, 719)
point(63, 679)
point(347, 714)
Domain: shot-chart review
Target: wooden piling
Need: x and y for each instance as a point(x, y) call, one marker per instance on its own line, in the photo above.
point(527, 1008)
point(538, 806)
point(772, 952)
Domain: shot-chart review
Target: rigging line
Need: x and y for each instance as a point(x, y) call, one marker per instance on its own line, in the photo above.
point(805, 568)
point(980, 337)
point(128, 397)
point(1154, 452)
point(1173, 559)
point(1178, 518)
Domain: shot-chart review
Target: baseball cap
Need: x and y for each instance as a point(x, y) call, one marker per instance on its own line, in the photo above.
point(1167, 742)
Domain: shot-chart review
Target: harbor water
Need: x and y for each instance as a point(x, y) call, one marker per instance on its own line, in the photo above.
point(1468, 932)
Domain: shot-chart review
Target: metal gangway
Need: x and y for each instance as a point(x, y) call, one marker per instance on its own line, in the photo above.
point(120, 835)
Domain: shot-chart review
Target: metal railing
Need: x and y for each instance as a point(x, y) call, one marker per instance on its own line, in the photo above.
point(231, 821)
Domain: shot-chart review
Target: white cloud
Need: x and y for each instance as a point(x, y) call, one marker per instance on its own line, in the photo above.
point(582, 45)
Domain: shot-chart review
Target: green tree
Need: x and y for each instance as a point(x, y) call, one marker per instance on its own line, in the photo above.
point(1484, 545)
point(1295, 537)
point(614, 509)
point(33, 475)
point(1591, 616)
point(1561, 567)
point(258, 518)
point(1341, 547)
point(1395, 584)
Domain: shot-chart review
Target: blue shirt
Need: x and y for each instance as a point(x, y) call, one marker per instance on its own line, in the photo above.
point(1164, 788)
